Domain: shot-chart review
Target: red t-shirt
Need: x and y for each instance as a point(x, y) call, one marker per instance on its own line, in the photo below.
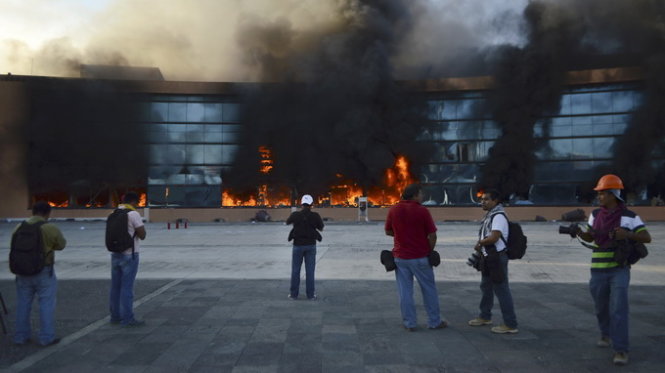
point(411, 223)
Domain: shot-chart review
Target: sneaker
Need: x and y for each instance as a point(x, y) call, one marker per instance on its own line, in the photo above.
point(504, 329)
point(479, 322)
point(410, 329)
point(603, 342)
point(314, 297)
point(291, 297)
point(620, 358)
point(134, 323)
point(442, 325)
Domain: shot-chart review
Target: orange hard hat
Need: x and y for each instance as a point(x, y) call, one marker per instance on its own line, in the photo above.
point(609, 181)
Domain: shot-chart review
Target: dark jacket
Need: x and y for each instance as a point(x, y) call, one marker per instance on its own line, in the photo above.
point(306, 225)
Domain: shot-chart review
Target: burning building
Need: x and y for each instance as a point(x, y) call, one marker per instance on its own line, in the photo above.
point(327, 115)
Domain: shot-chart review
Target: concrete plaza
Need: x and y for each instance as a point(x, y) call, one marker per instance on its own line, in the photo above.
point(214, 299)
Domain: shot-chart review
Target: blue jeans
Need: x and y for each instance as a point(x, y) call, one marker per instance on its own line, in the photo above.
point(502, 291)
point(423, 272)
point(45, 286)
point(308, 254)
point(123, 274)
point(609, 290)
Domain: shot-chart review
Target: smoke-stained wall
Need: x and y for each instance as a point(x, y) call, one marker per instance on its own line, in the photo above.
point(13, 188)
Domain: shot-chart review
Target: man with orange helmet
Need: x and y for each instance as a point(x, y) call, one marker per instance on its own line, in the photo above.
point(611, 223)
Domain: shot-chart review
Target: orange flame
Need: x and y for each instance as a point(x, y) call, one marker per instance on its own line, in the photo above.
point(266, 159)
point(345, 192)
point(142, 200)
point(62, 204)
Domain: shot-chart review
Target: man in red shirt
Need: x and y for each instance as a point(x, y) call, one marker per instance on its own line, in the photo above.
point(414, 234)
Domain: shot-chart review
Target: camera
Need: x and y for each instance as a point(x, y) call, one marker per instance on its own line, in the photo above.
point(572, 230)
point(474, 261)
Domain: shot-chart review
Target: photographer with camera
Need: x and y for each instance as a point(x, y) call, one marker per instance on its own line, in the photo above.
point(490, 257)
point(612, 225)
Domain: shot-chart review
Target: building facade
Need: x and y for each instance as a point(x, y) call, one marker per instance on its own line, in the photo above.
point(192, 133)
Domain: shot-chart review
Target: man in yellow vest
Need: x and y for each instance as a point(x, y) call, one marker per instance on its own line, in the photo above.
point(611, 223)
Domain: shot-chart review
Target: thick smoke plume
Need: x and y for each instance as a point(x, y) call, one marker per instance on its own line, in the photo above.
point(528, 82)
point(568, 35)
point(334, 111)
point(92, 128)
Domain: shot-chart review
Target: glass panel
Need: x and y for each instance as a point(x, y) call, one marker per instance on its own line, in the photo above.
point(211, 174)
point(230, 133)
point(566, 106)
point(482, 150)
point(466, 109)
point(213, 154)
point(195, 112)
point(582, 148)
point(602, 147)
point(177, 132)
point(228, 153)
point(230, 112)
point(213, 134)
point(195, 154)
point(160, 111)
point(581, 120)
point(213, 112)
point(603, 129)
point(195, 133)
point(582, 130)
point(157, 133)
point(435, 109)
point(602, 119)
point(560, 148)
point(177, 112)
point(202, 196)
point(167, 154)
point(601, 102)
point(623, 101)
point(581, 103)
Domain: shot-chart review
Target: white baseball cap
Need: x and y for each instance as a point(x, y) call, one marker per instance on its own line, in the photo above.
point(307, 199)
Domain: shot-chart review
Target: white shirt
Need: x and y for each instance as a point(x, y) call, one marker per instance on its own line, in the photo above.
point(500, 223)
point(134, 221)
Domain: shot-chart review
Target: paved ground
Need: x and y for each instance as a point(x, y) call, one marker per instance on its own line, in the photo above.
point(214, 298)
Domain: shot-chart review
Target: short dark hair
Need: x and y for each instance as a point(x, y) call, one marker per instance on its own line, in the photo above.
point(493, 194)
point(41, 208)
point(411, 191)
point(130, 197)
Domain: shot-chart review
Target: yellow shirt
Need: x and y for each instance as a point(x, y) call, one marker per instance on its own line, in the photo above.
point(52, 238)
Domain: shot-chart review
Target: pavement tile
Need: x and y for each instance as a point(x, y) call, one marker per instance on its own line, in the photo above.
point(247, 325)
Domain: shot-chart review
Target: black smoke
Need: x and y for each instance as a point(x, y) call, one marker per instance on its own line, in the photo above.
point(569, 35)
point(331, 105)
point(84, 139)
point(528, 86)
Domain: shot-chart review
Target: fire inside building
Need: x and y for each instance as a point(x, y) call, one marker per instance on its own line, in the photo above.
point(81, 143)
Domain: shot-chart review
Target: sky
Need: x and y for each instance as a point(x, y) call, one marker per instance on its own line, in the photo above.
point(198, 39)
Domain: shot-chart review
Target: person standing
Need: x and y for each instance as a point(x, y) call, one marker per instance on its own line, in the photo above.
point(491, 246)
point(609, 282)
point(44, 283)
point(125, 265)
point(414, 236)
point(306, 227)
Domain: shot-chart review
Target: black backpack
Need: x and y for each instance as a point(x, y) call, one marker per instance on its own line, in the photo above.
point(516, 244)
point(26, 254)
point(117, 236)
